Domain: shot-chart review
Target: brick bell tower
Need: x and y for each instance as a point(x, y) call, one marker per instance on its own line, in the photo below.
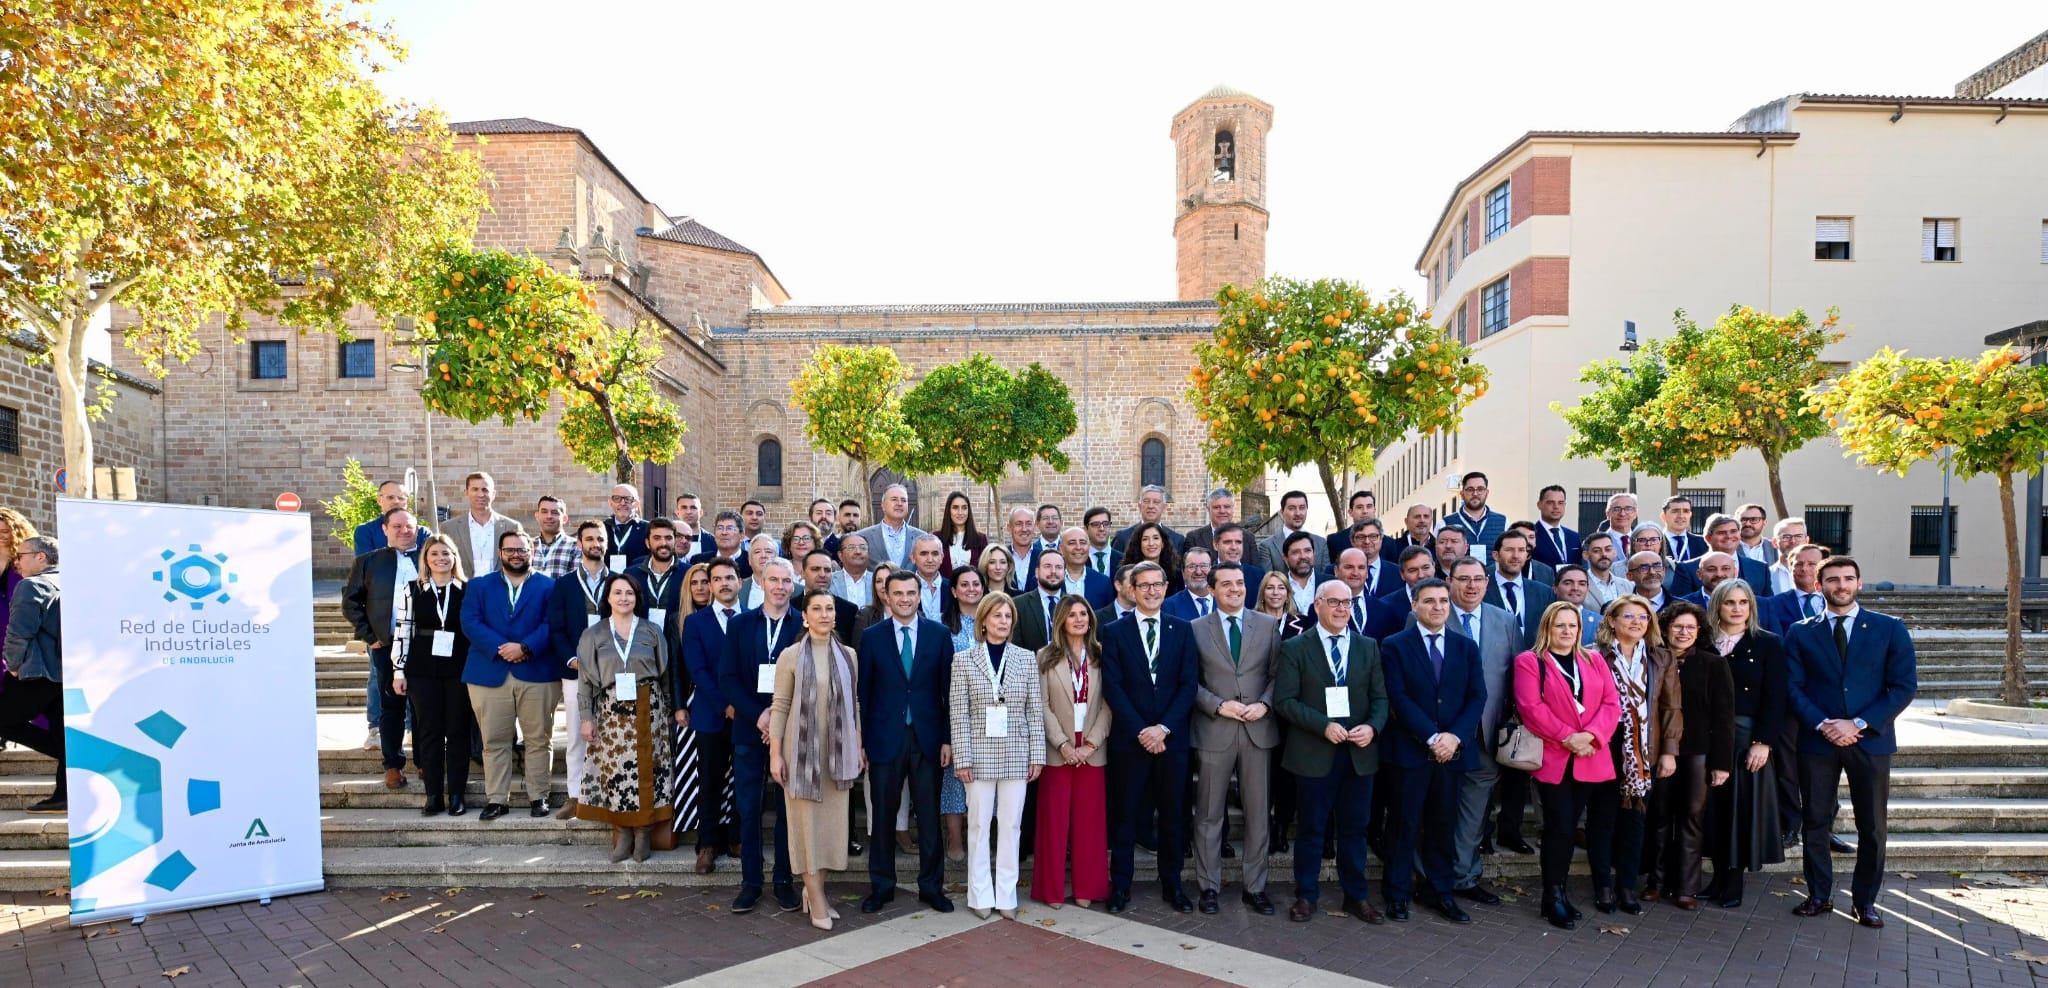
point(1219, 218)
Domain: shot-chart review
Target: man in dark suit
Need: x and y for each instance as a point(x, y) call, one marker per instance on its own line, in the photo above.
point(1361, 507)
point(1417, 563)
point(513, 673)
point(373, 581)
point(746, 675)
point(703, 650)
point(1125, 602)
point(1367, 617)
point(1231, 542)
point(1151, 508)
point(1779, 612)
point(1332, 693)
point(1678, 535)
point(1083, 582)
point(1724, 534)
point(1851, 672)
point(370, 534)
point(817, 571)
point(1419, 526)
point(691, 536)
point(625, 533)
point(1556, 545)
point(1150, 671)
point(1507, 587)
point(1708, 572)
point(1493, 630)
point(1222, 511)
point(725, 536)
point(576, 602)
point(1381, 574)
point(1436, 689)
point(1035, 609)
point(1293, 515)
point(1196, 597)
point(906, 665)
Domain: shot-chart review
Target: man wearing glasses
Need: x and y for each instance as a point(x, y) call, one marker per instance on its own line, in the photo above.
point(1381, 574)
point(1150, 669)
point(513, 674)
point(1646, 569)
point(1755, 544)
point(625, 533)
point(1101, 558)
point(1480, 523)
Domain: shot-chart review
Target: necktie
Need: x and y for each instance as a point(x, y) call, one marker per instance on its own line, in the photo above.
point(1152, 644)
point(1236, 641)
point(727, 611)
point(1514, 600)
point(905, 654)
point(1102, 561)
point(1049, 602)
point(1337, 661)
point(1557, 535)
point(1436, 657)
point(1842, 636)
point(1470, 631)
point(1809, 607)
point(1357, 615)
point(1201, 607)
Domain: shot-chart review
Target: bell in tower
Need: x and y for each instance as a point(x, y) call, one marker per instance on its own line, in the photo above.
point(1224, 167)
point(1219, 224)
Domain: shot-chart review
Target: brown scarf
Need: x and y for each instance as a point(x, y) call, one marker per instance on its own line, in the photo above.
point(1635, 730)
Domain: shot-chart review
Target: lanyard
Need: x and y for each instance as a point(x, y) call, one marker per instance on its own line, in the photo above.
point(625, 645)
point(618, 539)
point(657, 588)
point(1572, 677)
point(441, 596)
point(1080, 681)
point(590, 588)
point(512, 591)
point(774, 632)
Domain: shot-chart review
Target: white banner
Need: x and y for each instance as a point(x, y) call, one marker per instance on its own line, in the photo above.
point(189, 715)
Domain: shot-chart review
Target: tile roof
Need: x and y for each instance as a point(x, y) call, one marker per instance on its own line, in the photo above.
point(688, 231)
point(510, 125)
point(981, 307)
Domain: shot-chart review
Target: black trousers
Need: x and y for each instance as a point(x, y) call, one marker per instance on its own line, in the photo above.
point(1614, 837)
point(1791, 783)
point(1563, 803)
point(1511, 790)
point(1424, 821)
point(1870, 788)
point(1686, 827)
point(716, 830)
point(441, 724)
point(23, 700)
point(391, 723)
point(885, 787)
point(1658, 840)
point(1142, 783)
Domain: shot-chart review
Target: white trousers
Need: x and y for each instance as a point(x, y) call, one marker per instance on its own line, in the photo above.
point(572, 711)
point(993, 886)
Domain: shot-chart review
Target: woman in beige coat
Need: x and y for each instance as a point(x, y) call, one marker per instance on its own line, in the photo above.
point(814, 749)
point(1073, 817)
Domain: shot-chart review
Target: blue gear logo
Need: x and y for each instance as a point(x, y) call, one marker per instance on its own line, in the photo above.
point(137, 779)
point(194, 576)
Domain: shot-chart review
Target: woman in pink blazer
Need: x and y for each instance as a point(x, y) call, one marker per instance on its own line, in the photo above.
point(1566, 697)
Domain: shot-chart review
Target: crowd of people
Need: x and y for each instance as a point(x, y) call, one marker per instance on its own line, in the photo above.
point(1669, 699)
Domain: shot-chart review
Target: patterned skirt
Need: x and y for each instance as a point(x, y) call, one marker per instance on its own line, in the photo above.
point(626, 776)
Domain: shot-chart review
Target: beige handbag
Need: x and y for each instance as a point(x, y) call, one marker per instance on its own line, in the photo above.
point(1517, 747)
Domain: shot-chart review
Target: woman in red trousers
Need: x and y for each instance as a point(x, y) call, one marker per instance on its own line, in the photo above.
point(1072, 805)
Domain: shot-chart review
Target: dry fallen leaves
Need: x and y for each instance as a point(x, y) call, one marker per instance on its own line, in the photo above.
point(1045, 922)
point(457, 890)
point(597, 891)
point(108, 931)
point(538, 895)
point(56, 893)
point(444, 914)
point(1620, 931)
point(394, 896)
point(1796, 880)
point(2029, 957)
point(438, 929)
point(179, 971)
point(652, 894)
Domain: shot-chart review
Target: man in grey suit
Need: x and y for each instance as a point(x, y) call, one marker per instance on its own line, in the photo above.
point(1293, 515)
point(1234, 728)
point(476, 534)
point(1499, 641)
point(890, 539)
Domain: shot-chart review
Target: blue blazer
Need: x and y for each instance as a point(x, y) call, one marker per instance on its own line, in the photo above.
point(1546, 550)
point(1099, 589)
point(1182, 605)
point(1135, 701)
point(1876, 682)
point(490, 620)
point(568, 614)
point(703, 643)
point(746, 650)
point(1779, 612)
point(1423, 704)
point(886, 692)
point(1396, 606)
point(1754, 573)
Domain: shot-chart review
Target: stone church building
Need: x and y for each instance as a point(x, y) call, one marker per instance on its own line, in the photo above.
point(279, 411)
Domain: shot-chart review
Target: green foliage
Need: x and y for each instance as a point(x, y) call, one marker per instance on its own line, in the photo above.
point(1612, 422)
point(1318, 372)
point(979, 419)
point(356, 504)
point(503, 334)
point(852, 396)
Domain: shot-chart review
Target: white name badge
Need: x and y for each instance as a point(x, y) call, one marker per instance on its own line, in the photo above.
point(444, 644)
point(1337, 701)
point(1080, 717)
point(590, 620)
point(659, 616)
point(764, 679)
point(617, 564)
point(997, 721)
point(626, 689)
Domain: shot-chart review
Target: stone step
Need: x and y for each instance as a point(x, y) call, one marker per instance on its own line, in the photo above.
point(1961, 814)
point(1967, 688)
point(1975, 782)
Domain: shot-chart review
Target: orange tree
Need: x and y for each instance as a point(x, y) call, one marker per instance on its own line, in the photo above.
point(190, 158)
point(1615, 424)
point(978, 418)
point(1988, 415)
point(1743, 384)
point(503, 334)
point(1319, 372)
point(853, 399)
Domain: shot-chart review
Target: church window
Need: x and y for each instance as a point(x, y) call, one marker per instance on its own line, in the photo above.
point(1152, 462)
point(768, 463)
point(359, 359)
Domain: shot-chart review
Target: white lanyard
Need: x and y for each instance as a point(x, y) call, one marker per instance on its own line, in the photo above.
point(441, 596)
point(625, 645)
point(619, 539)
point(656, 588)
point(590, 588)
point(512, 591)
point(1573, 677)
point(774, 631)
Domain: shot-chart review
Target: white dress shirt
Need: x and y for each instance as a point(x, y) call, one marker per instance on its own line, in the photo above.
point(483, 550)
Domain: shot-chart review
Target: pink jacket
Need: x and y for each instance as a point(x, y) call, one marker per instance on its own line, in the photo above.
point(1555, 717)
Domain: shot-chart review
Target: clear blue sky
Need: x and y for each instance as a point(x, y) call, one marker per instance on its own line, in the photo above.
point(964, 152)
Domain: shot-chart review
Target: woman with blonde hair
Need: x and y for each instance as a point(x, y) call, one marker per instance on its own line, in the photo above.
point(1644, 748)
point(1745, 812)
point(427, 653)
point(1566, 697)
point(814, 750)
point(998, 567)
point(998, 722)
point(1275, 599)
point(1072, 795)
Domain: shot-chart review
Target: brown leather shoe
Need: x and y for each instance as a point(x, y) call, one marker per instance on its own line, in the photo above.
point(1301, 911)
point(394, 778)
point(1686, 902)
point(1363, 910)
point(704, 861)
point(1813, 907)
point(1867, 917)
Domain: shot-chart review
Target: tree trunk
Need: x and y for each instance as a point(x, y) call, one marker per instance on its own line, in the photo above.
point(1674, 486)
point(1331, 490)
point(68, 360)
point(1772, 463)
point(2012, 685)
point(623, 467)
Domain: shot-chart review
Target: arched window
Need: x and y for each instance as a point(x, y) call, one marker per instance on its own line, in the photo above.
point(768, 463)
point(1226, 157)
point(1152, 462)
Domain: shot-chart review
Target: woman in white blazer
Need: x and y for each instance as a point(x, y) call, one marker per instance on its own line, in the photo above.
point(998, 720)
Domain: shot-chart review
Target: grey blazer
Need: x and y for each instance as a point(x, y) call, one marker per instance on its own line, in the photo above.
point(1249, 680)
point(878, 545)
point(457, 530)
point(1271, 556)
point(1499, 642)
point(974, 689)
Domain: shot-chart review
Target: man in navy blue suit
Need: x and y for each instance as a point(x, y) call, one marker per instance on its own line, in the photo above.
point(574, 603)
point(906, 665)
point(703, 638)
point(1556, 545)
point(1436, 691)
point(1710, 571)
point(1082, 581)
point(1724, 534)
point(1231, 542)
point(1780, 612)
point(1850, 674)
point(1678, 535)
point(1417, 563)
point(1150, 669)
point(512, 672)
point(746, 675)
point(1196, 599)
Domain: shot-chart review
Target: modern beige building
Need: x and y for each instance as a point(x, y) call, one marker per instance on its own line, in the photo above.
point(1923, 219)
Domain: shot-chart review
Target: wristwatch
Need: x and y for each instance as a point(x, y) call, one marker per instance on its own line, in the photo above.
point(1860, 725)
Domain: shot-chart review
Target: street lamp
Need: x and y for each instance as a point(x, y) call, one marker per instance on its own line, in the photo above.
point(1629, 346)
point(426, 415)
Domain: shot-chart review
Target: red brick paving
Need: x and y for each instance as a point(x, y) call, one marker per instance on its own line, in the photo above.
point(1000, 954)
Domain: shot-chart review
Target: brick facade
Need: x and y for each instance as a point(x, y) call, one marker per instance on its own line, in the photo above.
point(126, 437)
point(1219, 226)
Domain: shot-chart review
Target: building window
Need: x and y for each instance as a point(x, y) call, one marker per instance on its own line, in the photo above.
point(1704, 502)
point(1938, 240)
point(1831, 238)
point(359, 359)
point(1465, 235)
point(268, 360)
point(1593, 507)
point(1152, 462)
point(2044, 241)
point(1493, 307)
point(768, 463)
point(1461, 326)
point(1497, 212)
point(1924, 536)
point(1828, 524)
point(10, 430)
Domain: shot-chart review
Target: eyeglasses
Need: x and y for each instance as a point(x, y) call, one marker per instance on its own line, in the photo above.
point(1647, 568)
point(1632, 616)
point(1098, 524)
point(1334, 601)
point(1475, 490)
point(624, 499)
point(1160, 585)
point(513, 552)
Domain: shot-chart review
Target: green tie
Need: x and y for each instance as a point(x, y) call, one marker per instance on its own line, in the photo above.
point(1152, 644)
point(1236, 641)
point(908, 658)
point(1101, 561)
